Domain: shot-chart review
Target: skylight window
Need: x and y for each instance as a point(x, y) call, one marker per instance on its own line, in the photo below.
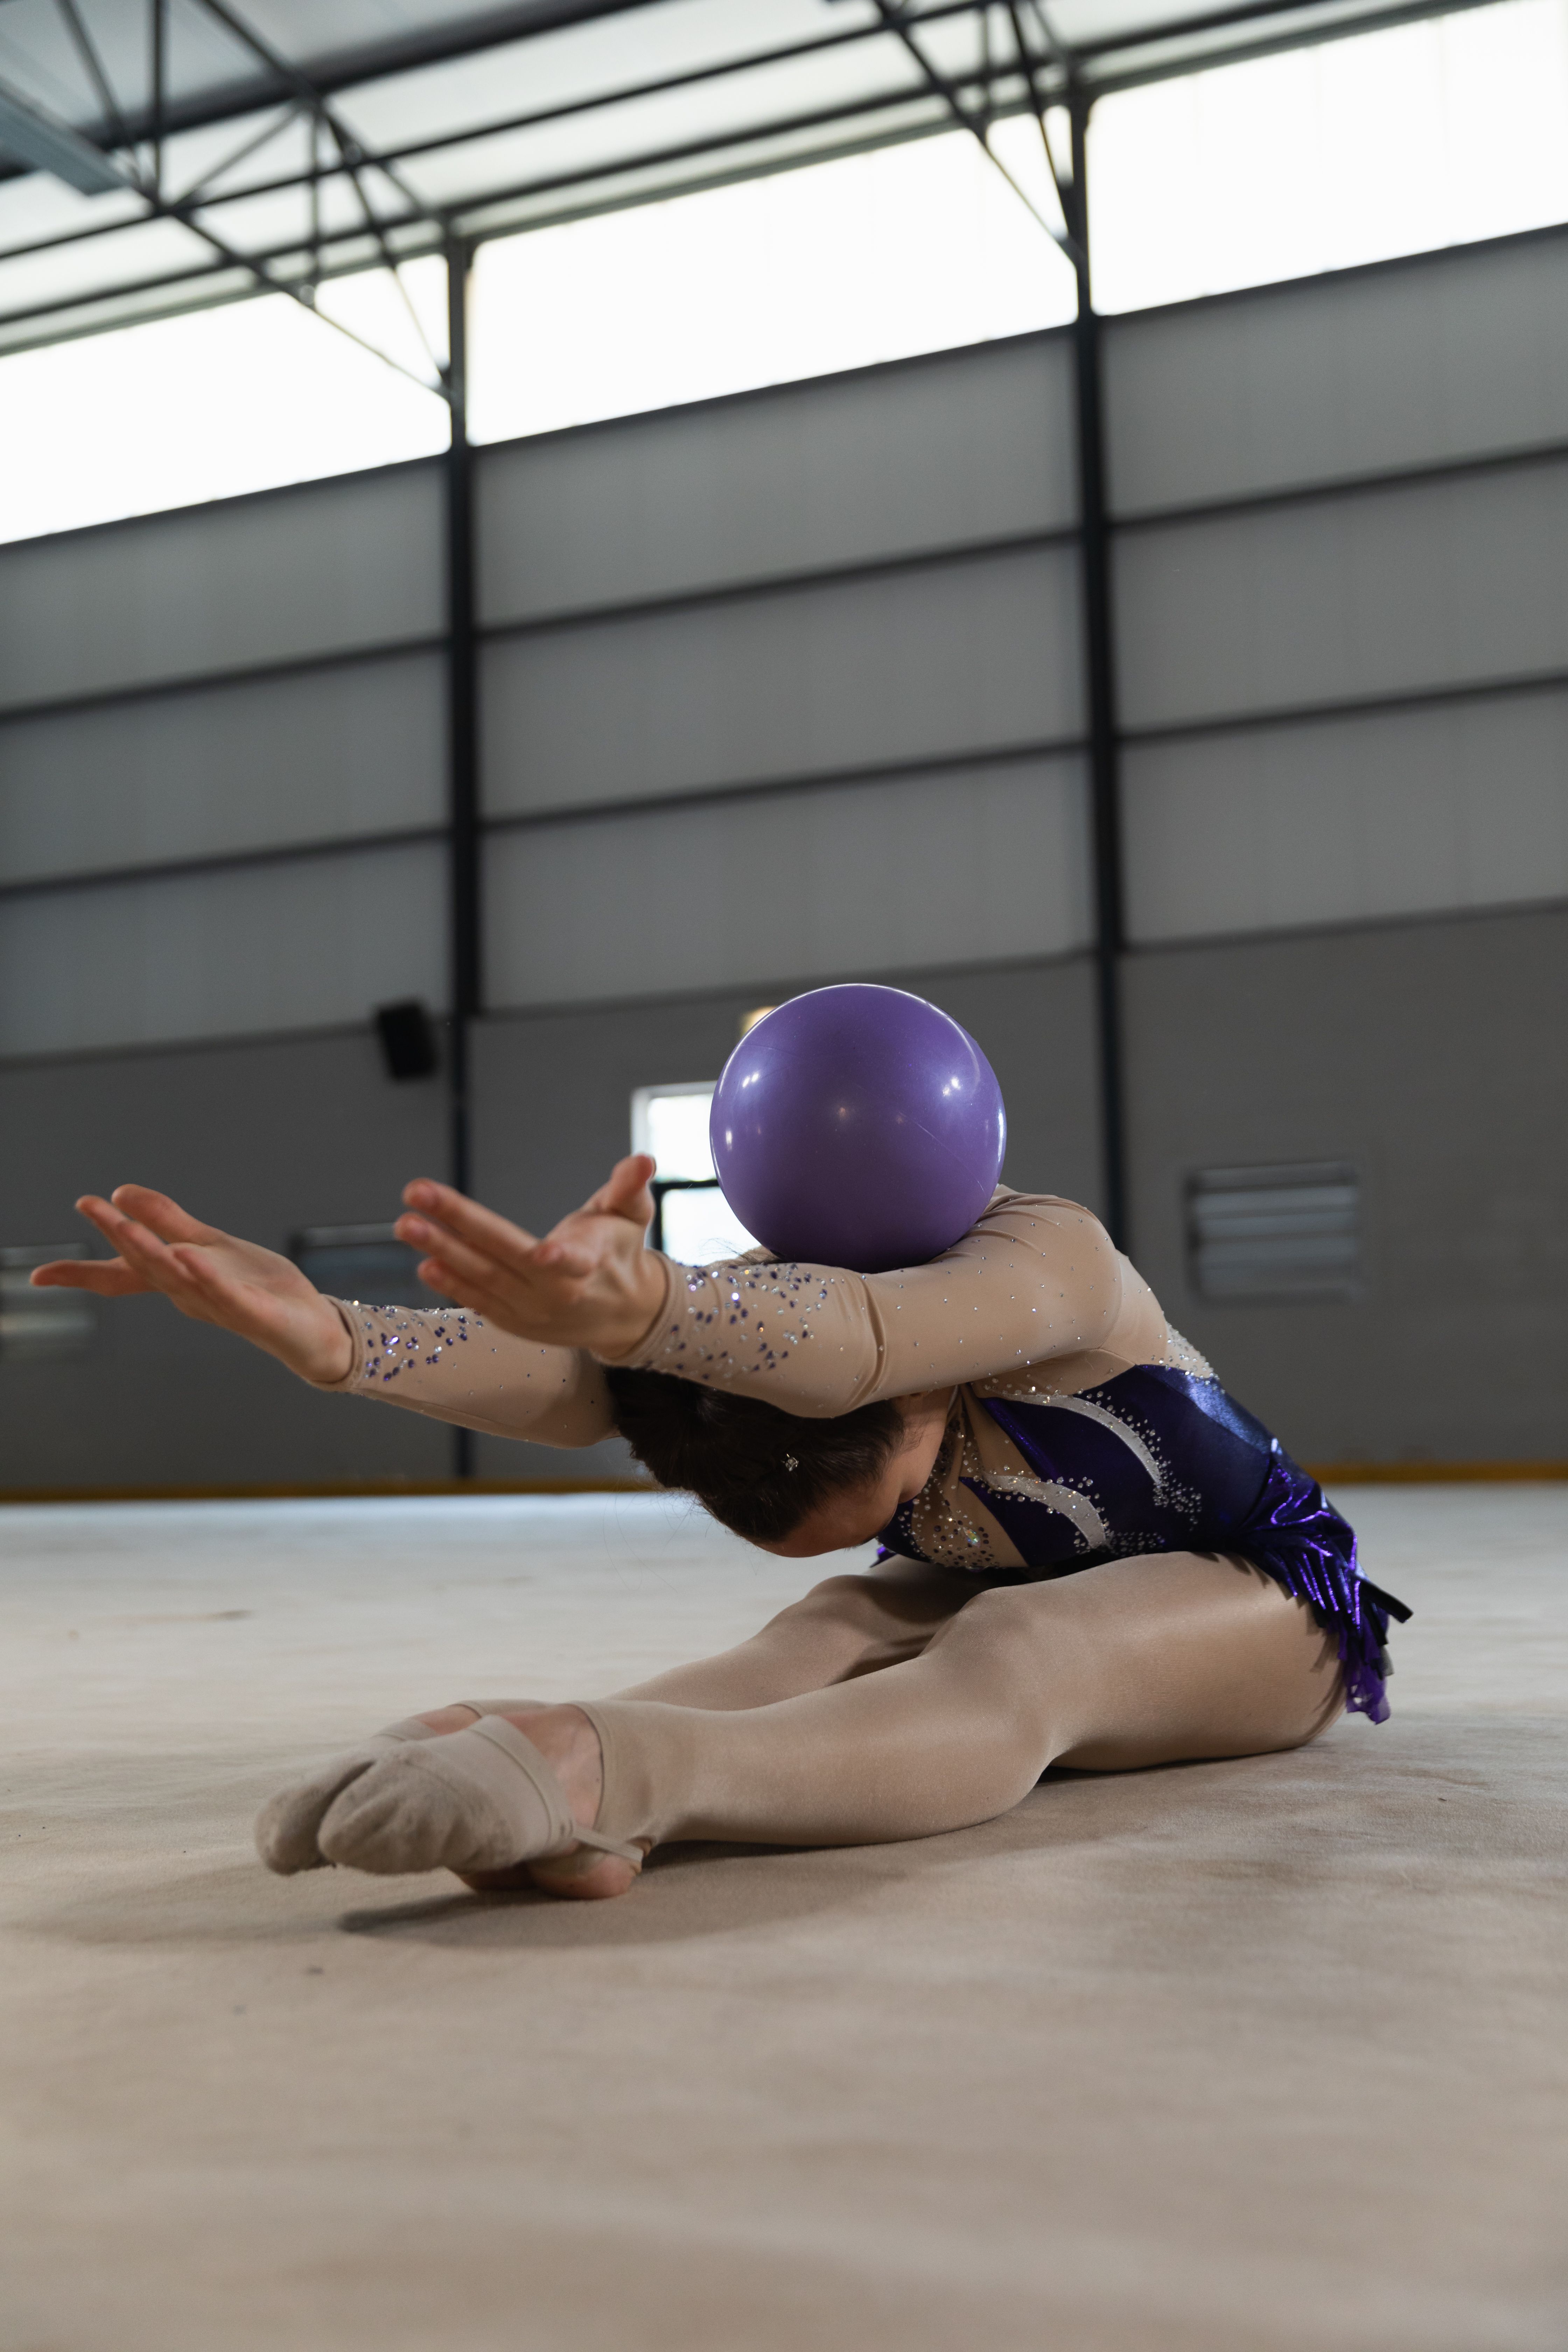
point(207, 406)
point(1400, 141)
point(914, 249)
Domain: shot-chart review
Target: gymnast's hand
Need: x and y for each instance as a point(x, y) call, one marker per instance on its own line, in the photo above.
point(590, 1283)
point(209, 1276)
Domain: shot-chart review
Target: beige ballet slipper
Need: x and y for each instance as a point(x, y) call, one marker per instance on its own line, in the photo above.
point(286, 1825)
point(479, 1800)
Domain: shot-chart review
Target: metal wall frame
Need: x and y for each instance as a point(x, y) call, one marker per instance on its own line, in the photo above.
point(1098, 536)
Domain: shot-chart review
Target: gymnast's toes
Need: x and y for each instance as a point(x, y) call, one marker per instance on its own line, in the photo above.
point(287, 1826)
point(405, 1814)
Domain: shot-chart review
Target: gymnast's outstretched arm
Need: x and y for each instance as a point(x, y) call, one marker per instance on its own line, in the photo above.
point(1035, 1279)
point(437, 1361)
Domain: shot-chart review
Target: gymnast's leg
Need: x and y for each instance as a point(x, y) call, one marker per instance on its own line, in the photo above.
point(846, 1626)
point(1137, 1661)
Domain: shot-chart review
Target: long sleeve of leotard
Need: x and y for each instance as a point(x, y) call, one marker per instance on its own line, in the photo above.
point(456, 1367)
point(1035, 1278)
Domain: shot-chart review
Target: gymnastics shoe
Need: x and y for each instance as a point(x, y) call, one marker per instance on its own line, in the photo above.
point(479, 1800)
point(286, 1825)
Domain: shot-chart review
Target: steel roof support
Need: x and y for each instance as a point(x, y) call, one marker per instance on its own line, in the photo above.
point(1094, 544)
point(1100, 680)
point(464, 879)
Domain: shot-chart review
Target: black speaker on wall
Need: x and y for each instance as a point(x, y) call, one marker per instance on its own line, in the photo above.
point(407, 1036)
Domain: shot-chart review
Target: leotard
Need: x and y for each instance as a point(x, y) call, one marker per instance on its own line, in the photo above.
point(1084, 1428)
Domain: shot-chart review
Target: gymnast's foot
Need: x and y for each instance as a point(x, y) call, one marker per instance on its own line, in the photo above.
point(570, 1744)
point(503, 1792)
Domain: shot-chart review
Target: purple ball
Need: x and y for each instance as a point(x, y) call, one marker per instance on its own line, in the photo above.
point(859, 1126)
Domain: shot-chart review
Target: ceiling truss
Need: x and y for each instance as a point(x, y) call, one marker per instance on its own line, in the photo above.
point(360, 206)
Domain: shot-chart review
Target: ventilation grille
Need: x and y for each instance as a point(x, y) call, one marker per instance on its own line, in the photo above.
point(42, 1322)
point(1286, 1231)
point(364, 1261)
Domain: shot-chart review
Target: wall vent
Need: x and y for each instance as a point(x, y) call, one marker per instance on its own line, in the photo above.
point(1291, 1230)
point(42, 1322)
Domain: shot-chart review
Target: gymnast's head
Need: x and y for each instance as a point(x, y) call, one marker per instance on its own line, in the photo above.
point(790, 1486)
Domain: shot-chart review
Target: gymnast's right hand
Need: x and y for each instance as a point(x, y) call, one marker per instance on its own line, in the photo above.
point(209, 1276)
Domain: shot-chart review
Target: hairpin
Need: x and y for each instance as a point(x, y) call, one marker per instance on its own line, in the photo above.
point(790, 1462)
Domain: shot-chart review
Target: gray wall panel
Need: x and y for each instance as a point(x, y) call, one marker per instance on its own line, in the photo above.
point(201, 772)
point(1460, 356)
point(554, 1093)
point(1397, 812)
point(328, 567)
point(260, 1139)
point(913, 664)
point(1428, 1056)
point(292, 946)
point(1431, 585)
point(826, 884)
point(969, 445)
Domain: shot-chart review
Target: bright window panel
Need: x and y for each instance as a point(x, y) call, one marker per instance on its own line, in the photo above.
point(220, 401)
point(915, 248)
point(673, 1123)
point(700, 1227)
point(1400, 141)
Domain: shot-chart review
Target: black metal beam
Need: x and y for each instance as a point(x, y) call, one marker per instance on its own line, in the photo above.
point(463, 833)
point(341, 69)
point(1100, 678)
point(258, 263)
point(1209, 20)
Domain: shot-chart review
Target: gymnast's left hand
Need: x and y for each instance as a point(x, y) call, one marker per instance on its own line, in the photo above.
point(589, 1282)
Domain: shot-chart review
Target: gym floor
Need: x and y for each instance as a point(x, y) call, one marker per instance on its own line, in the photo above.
point(1261, 2056)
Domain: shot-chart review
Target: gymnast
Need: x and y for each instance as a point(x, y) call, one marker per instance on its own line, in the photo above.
point(1090, 1555)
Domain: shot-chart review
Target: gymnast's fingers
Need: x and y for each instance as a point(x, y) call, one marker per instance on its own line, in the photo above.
point(424, 1233)
point(140, 1250)
point(105, 1278)
point(160, 1215)
point(495, 1237)
point(619, 1194)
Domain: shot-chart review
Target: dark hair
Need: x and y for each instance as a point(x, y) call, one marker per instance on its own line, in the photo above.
point(733, 1452)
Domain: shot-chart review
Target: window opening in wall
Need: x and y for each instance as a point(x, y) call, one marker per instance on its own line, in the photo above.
point(37, 1323)
point(692, 1221)
point(362, 1262)
point(1290, 1231)
point(245, 397)
point(1396, 142)
point(914, 249)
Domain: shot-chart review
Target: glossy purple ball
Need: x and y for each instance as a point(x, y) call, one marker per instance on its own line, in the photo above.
point(859, 1126)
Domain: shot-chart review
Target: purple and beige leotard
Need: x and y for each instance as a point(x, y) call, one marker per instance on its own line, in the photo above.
point(1083, 1427)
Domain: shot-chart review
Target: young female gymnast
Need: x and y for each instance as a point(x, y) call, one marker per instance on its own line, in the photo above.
point(1091, 1555)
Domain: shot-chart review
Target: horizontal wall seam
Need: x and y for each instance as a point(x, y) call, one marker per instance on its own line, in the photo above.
point(270, 492)
point(1306, 714)
point(752, 395)
point(749, 590)
point(222, 1041)
point(203, 681)
point(220, 861)
point(1348, 487)
point(349, 844)
point(771, 988)
point(776, 787)
point(731, 992)
point(1341, 926)
point(1432, 256)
